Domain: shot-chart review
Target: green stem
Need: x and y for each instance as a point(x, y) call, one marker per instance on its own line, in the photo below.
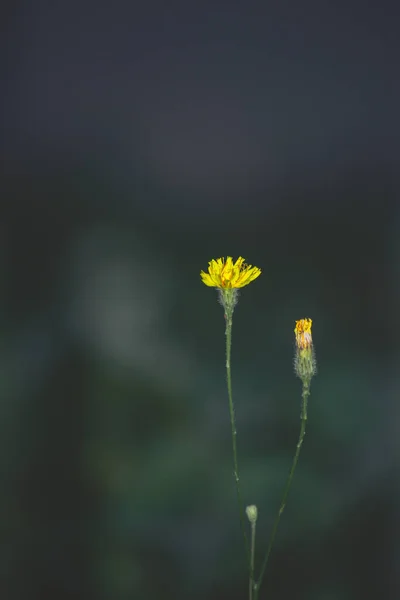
point(233, 429)
point(252, 552)
point(304, 396)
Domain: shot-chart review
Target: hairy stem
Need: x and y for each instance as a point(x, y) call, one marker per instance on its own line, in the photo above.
point(305, 395)
point(252, 552)
point(233, 429)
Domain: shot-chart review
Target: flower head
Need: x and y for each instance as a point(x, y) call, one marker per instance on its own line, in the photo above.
point(303, 333)
point(252, 513)
point(225, 274)
point(304, 362)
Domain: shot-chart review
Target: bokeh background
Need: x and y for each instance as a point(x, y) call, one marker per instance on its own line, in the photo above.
point(138, 141)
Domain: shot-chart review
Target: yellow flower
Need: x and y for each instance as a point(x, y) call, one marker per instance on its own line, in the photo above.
point(303, 333)
point(305, 365)
point(229, 275)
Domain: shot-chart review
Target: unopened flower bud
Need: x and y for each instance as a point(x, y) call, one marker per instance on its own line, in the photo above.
point(252, 513)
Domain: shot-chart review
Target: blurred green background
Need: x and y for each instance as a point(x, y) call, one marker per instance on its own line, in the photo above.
point(140, 142)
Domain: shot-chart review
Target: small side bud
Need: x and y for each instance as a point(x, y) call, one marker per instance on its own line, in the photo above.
point(305, 364)
point(252, 513)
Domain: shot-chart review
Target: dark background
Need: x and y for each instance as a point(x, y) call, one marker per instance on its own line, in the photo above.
point(138, 141)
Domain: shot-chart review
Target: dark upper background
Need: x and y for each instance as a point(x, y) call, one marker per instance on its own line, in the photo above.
point(139, 141)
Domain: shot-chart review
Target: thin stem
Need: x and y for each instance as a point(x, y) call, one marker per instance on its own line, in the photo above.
point(252, 552)
point(304, 396)
point(233, 429)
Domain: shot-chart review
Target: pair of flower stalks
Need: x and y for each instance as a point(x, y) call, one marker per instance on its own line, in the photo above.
point(228, 277)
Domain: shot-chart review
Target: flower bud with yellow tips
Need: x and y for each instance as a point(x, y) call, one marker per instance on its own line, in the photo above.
point(305, 364)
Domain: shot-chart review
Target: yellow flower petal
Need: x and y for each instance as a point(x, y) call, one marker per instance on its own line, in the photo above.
point(303, 333)
point(207, 279)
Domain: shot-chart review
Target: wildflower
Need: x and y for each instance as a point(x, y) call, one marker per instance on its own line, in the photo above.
point(303, 333)
point(229, 275)
point(304, 362)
